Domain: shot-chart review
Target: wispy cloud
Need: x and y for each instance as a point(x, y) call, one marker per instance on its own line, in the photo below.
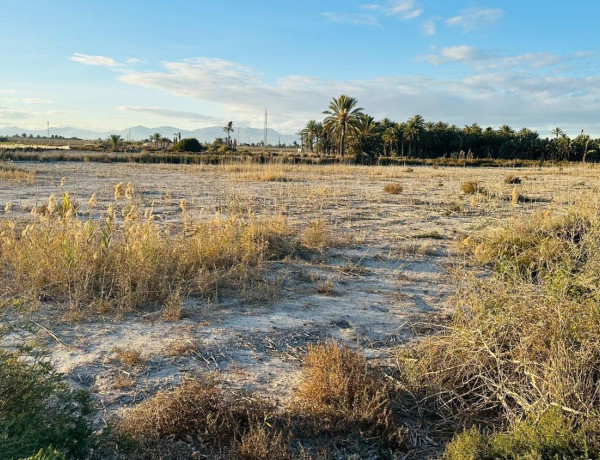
point(429, 28)
point(352, 18)
point(402, 9)
point(170, 113)
point(503, 90)
point(9, 114)
point(484, 60)
point(87, 59)
point(405, 9)
point(474, 18)
point(27, 100)
point(461, 53)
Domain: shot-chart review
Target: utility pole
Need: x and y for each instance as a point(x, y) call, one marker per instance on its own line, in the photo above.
point(265, 139)
point(48, 129)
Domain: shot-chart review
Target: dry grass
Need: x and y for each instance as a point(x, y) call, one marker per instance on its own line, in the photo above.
point(319, 236)
point(472, 187)
point(393, 189)
point(342, 391)
point(233, 422)
point(512, 180)
point(524, 340)
point(125, 258)
point(129, 356)
point(12, 173)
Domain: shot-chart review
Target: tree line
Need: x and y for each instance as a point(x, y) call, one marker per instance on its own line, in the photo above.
point(348, 131)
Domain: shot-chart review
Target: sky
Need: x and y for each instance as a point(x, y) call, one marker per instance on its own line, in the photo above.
point(106, 64)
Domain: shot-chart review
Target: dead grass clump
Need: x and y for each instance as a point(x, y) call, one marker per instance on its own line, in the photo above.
point(526, 339)
point(128, 356)
point(472, 187)
point(204, 412)
point(343, 392)
point(124, 258)
point(12, 173)
point(512, 180)
point(319, 236)
point(393, 189)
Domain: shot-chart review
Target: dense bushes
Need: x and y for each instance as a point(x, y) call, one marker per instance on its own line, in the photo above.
point(525, 340)
point(189, 144)
point(37, 410)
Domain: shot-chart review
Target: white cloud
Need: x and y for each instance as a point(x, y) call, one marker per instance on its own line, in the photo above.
point(9, 114)
point(520, 96)
point(352, 18)
point(27, 100)
point(103, 61)
point(170, 113)
point(405, 9)
point(461, 53)
point(474, 18)
point(429, 28)
point(479, 60)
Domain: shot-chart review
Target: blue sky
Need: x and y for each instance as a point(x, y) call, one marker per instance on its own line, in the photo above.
point(114, 64)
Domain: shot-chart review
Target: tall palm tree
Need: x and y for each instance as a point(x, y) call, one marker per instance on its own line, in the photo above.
point(557, 132)
point(412, 132)
point(364, 130)
point(312, 128)
point(228, 128)
point(343, 114)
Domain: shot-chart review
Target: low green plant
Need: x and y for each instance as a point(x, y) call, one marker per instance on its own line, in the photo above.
point(38, 410)
point(551, 436)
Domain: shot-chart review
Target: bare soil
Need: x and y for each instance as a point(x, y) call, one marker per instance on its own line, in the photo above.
point(387, 278)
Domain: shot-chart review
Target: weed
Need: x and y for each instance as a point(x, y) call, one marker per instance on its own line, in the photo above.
point(128, 356)
point(512, 180)
point(472, 187)
point(393, 189)
point(339, 386)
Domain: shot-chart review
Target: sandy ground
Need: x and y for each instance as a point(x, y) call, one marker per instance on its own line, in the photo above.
point(392, 275)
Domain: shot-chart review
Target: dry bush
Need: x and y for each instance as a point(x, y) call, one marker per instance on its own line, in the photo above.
point(128, 356)
point(393, 189)
point(319, 236)
point(201, 410)
point(472, 187)
point(512, 180)
point(525, 339)
point(341, 391)
point(259, 443)
point(127, 259)
point(10, 172)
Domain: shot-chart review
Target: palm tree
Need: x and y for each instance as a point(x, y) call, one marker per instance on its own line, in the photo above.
point(115, 141)
point(155, 138)
point(412, 131)
point(557, 132)
point(311, 129)
point(388, 139)
point(228, 128)
point(364, 129)
point(343, 114)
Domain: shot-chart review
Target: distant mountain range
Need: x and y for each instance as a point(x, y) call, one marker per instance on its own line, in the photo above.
point(138, 133)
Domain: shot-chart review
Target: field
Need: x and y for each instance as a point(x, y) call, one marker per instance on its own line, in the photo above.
point(370, 258)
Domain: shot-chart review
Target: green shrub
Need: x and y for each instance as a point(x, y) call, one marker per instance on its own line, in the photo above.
point(552, 436)
point(189, 144)
point(38, 410)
